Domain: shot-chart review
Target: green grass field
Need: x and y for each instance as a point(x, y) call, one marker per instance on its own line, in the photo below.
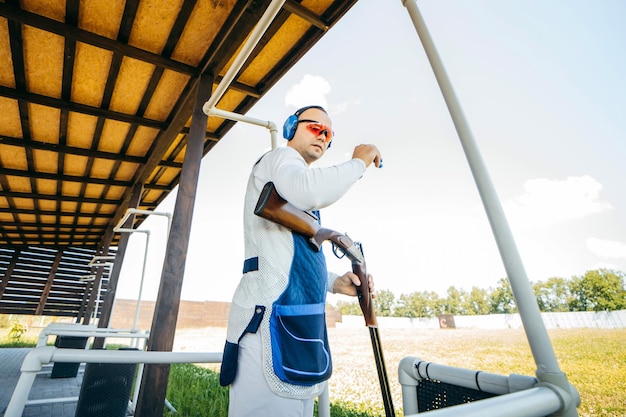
point(594, 361)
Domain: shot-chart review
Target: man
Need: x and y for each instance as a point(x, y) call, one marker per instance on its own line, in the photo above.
point(276, 358)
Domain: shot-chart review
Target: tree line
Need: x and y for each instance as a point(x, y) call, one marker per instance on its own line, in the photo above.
point(596, 290)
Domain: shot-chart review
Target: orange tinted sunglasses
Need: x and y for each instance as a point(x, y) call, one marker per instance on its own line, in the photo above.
point(318, 128)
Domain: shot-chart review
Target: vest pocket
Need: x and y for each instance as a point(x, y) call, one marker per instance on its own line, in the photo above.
point(300, 352)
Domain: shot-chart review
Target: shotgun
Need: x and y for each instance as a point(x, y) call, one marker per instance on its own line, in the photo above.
point(271, 206)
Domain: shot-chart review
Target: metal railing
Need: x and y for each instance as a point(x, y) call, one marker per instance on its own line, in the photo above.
point(516, 395)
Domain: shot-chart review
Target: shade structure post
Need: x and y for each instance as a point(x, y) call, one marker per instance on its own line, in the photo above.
point(151, 398)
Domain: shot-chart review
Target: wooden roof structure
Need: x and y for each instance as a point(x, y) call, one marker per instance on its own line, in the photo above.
point(96, 104)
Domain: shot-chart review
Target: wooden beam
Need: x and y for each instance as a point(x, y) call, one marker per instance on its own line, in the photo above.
point(154, 383)
point(54, 227)
point(62, 242)
point(33, 174)
point(69, 150)
point(16, 14)
point(35, 196)
point(26, 97)
point(46, 290)
point(9, 271)
point(17, 56)
point(306, 14)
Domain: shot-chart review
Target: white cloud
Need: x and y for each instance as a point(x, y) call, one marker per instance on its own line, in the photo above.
point(607, 248)
point(312, 89)
point(553, 201)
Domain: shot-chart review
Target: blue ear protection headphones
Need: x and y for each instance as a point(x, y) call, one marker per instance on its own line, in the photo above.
point(291, 124)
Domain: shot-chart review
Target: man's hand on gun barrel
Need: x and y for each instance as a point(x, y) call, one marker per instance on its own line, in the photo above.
point(347, 283)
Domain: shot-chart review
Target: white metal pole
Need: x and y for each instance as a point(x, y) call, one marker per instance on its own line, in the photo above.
point(268, 124)
point(141, 282)
point(209, 107)
point(143, 270)
point(323, 402)
point(135, 342)
point(20, 394)
point(95, 312)
point(245, 52)
point(42, 355)
point(541, 347)
point(119, 229)
point(149, 213)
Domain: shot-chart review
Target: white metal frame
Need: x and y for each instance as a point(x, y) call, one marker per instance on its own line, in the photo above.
point(268, 124)
point(80, 330)
point(98, 261)
point(27, 376)
point(120, 229)
point(517, 395)
point(209, 107)
point(46, 354)
point(548, 371)
point(43, 355)
point(254, 38)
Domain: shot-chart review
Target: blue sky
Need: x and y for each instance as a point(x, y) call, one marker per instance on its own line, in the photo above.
point(542, 87)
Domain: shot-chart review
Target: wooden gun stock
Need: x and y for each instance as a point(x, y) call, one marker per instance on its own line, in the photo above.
point(271, 206)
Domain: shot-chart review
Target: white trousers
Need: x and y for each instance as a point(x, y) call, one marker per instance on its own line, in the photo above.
point(250, 396)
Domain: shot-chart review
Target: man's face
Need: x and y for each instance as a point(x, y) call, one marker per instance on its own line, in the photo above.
point(307, 142)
